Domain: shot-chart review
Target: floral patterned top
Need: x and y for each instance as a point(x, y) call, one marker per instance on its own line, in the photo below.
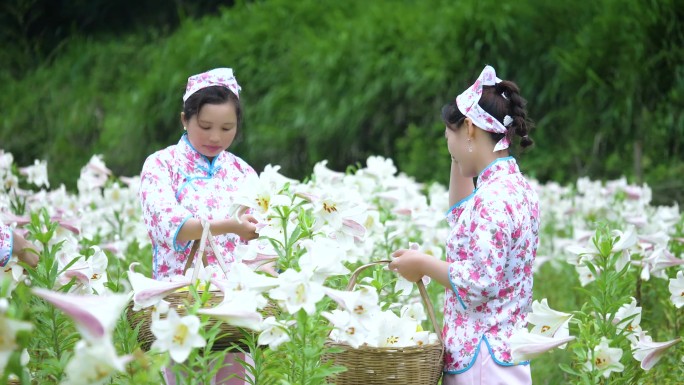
point(178, 183)
point(6, 240)
point(491, 248)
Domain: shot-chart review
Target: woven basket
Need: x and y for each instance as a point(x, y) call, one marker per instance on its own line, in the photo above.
point(229, 336)
point(419, 365)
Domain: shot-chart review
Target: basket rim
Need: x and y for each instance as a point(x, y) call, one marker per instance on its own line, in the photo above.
point(384, 349)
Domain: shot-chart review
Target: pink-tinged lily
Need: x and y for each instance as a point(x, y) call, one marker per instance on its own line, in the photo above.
point(149, 292)
point(648, 352)
point(657, 262)
point(70, 225)
point(526, 345)
point(95, 315)
point(651, 241)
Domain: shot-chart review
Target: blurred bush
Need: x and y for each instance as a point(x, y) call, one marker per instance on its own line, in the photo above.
point(344, 80)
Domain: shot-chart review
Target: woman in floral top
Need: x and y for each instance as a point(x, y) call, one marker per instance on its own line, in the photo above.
point(493, 239)
point(192, 181)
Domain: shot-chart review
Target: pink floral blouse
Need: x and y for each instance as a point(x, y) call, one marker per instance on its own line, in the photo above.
point(491, 248)
point(178, 183)
point(6, 241)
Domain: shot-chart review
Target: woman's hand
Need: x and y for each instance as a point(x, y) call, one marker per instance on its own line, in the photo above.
point(246, 227)
point(25, 251)
point(409, 263)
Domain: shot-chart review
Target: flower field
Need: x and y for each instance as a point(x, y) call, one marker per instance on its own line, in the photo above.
point(609, 281)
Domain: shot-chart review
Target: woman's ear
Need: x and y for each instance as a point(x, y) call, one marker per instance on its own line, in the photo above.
point(184, 122)
point(470, 128)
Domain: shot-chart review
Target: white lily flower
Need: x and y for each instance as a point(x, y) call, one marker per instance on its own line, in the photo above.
point(628, 310)
point(421, 338)
point(394, 331)
point(93, 176)
point(238, 310)
point(276, 181)
point(548, 322)
point(242, 277)
point(274, 333)
point(605, 359)
point(362, 303)
point(259, 194)
point(627, 239)
point(526, 346)
point(177, 335)
point(8, 334)
point(255, 252)
point(648, 352)
point(94, 364)
point(37, 174)
point(346, 328)
point(297, 291)
point(414, 311)
point(585, 275)
point(380, 167)
point(325, 176)
point(323, 258)
point(623, 241)
point(677, 289)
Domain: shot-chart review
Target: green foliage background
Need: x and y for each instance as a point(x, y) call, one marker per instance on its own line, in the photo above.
point(344, 80)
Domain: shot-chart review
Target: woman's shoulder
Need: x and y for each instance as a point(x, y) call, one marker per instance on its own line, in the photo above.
point(160, 158)
point(239, 164)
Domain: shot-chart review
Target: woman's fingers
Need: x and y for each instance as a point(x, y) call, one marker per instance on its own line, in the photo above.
point(398, 253)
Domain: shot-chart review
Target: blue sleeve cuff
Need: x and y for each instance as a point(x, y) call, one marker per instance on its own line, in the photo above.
point(177, 247)
point(5, 259)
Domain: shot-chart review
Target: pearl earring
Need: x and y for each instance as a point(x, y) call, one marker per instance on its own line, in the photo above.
point(470, 145)
point(185, 128)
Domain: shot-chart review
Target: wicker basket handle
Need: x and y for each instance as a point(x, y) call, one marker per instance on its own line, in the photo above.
point(199, 258)
point(421, 289)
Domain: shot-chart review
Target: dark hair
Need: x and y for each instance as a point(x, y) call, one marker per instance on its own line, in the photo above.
point(211, 95)
point(499, 100)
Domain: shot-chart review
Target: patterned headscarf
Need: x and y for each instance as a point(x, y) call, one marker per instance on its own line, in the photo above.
point(216, 77)
point(467, 103)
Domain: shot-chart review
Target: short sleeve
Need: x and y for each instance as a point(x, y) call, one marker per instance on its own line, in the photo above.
point(162, 214)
